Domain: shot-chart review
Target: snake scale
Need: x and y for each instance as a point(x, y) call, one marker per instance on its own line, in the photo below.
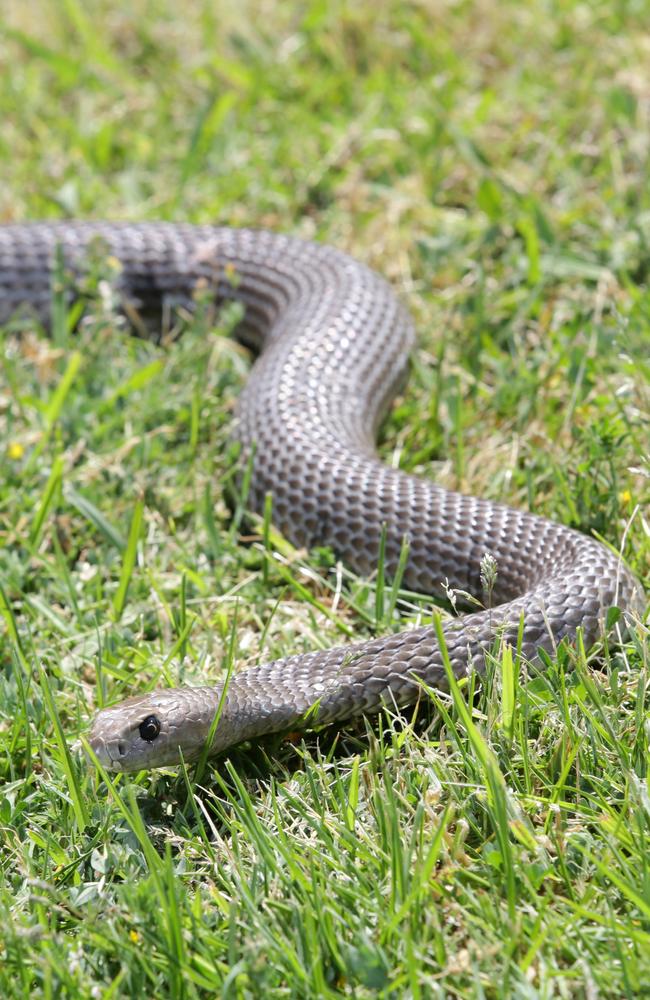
point(333, 346)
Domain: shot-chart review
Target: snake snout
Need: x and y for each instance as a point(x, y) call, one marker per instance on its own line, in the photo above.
point(108, 753)
point(154, 730)
point(119, 736)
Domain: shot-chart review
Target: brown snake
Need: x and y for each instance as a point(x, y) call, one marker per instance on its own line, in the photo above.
point(333, 344)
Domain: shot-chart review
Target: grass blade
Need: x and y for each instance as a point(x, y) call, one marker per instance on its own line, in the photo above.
point(128, 560)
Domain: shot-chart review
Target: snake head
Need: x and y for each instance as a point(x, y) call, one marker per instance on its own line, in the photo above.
point(154, 730)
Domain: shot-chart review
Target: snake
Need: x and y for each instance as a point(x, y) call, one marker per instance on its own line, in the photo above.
point(333, 343)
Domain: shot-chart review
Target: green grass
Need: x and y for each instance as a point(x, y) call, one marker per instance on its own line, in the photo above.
point(492, 160)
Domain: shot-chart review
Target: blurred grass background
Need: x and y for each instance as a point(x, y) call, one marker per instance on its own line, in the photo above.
point(491, 159)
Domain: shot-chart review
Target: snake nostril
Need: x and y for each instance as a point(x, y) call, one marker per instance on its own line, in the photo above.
point(121, 748)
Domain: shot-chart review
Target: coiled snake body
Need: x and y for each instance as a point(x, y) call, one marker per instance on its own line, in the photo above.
point(333, 344)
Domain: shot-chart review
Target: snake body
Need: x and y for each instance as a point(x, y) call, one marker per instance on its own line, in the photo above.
point(333, 346)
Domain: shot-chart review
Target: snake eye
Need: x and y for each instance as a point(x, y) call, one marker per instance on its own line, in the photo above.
point(149, 728)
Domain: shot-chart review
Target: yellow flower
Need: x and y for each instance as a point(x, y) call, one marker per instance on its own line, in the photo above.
point(625, 496)
point(135, 937)
point(15, 450)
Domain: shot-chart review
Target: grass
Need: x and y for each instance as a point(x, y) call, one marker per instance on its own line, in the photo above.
point(492, 161)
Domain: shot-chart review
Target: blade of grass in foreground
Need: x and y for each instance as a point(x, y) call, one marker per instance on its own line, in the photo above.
point(51, 490)
point(76, 795)
point(128, 561)
point(495, 783)
point(162, 874)
point(230, 666)
point(55, 405)
point(95, 516)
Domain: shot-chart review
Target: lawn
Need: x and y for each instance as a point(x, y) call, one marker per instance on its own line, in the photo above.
point(491, 160)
